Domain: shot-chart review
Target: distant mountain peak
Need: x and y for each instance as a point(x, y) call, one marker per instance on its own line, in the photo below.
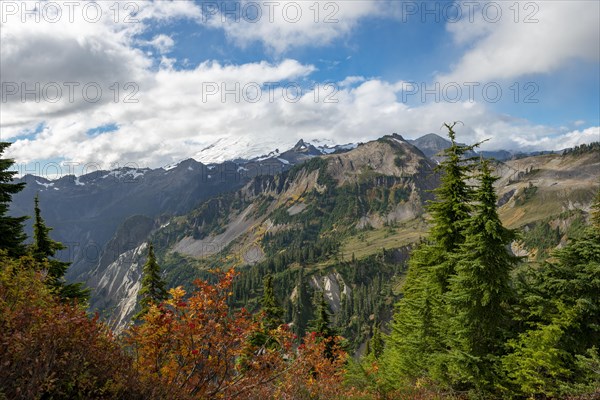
point(434, 136)
point(302, 146)
point(431, 144)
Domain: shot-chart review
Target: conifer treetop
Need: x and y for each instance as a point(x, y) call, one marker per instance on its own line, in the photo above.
point(153, 289)
point(12, 236)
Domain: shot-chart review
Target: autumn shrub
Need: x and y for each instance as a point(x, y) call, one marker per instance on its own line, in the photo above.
point(189, 347)
point(52, 350)
point(312, 374)
point(198, 344)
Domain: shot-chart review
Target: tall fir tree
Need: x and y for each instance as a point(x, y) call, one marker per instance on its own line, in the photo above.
point(270, 319)
point(414, 334)
point(153, 289)
point(376, 343)
point(273, 312)
point(43, 248)
point(452, 207)
point(479, 294)
point(417, 328)
point(44, 251)
point(12, 236)
point(321, 324)
point(301, 307)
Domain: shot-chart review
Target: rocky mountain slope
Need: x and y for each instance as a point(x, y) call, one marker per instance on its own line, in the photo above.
point(536, 187)
point(86, 211)
point(310, 206)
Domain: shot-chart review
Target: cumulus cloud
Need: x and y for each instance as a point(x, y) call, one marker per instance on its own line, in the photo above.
point(510, 39)
point(163, 43)
point(284, 25)
point(561, 140)
point(187, 111)
point(71, 58)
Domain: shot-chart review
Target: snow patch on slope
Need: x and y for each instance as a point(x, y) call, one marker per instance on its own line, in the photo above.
point(46, 185)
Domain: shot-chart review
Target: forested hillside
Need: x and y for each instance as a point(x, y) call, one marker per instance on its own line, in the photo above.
point(372, 273)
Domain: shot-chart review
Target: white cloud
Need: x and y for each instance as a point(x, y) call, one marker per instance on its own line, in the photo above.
point(163, 43)
point(176, 119)
point(564, 31)
point(562, 140)
point(284, 25)
point(66, 56)
point(351, 80)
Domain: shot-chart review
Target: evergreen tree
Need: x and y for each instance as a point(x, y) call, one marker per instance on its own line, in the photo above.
point(43, 247)
point(376, 343)
point(270, 319)
point(153, 289)
point(321, 325)
point(11, 228)
point(273, 312)
point(417, 328)
point(479, 292)
point(451, 208)
point(301, 306)
point(414, 335)
point(44, 250)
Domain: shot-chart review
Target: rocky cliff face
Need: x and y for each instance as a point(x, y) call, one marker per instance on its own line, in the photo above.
point(118, 286)
point(333, 287)
point(115, 281)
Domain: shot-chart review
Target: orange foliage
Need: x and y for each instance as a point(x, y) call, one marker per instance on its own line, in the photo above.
point(197, 343)
point(192, 347)
point(200, 345)
point(313, 375)
point(52, 350)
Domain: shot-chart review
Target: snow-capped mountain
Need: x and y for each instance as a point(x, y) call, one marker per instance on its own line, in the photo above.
point(242, 149)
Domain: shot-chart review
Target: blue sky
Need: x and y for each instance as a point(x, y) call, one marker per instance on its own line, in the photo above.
point(545, 61)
